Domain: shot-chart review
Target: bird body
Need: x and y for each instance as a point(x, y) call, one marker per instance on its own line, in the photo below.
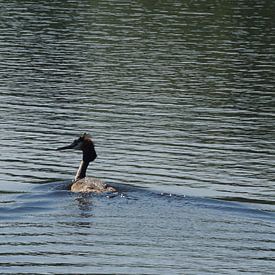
point(91, 185)
point(82, 183)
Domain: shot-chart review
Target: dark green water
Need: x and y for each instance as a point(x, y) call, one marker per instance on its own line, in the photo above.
point(179, 97)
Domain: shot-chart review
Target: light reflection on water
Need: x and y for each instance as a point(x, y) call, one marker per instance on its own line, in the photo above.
point(132, 233)
point(178, 97)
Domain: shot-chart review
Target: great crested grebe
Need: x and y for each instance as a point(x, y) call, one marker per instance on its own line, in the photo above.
point(82, 183)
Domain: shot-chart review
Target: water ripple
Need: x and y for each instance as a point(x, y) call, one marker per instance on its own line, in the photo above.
point(178, 97)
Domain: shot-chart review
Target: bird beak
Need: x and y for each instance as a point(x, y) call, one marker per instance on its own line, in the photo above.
point(71, 146)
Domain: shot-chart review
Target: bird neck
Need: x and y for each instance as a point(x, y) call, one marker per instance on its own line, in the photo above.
point(89, 154)
point(81, 172)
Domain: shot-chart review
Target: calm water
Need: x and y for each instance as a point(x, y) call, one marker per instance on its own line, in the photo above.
point(179, 97)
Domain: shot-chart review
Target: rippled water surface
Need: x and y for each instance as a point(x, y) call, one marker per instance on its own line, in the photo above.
point(179, 98)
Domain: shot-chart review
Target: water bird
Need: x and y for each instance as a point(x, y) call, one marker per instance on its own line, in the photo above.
point(82, 183)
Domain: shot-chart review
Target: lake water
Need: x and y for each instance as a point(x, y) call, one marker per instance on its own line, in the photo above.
point(179, 99)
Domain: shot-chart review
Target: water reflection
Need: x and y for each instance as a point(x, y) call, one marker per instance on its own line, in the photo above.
point(176, 100)
point(178, 97)
point(84, 202)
